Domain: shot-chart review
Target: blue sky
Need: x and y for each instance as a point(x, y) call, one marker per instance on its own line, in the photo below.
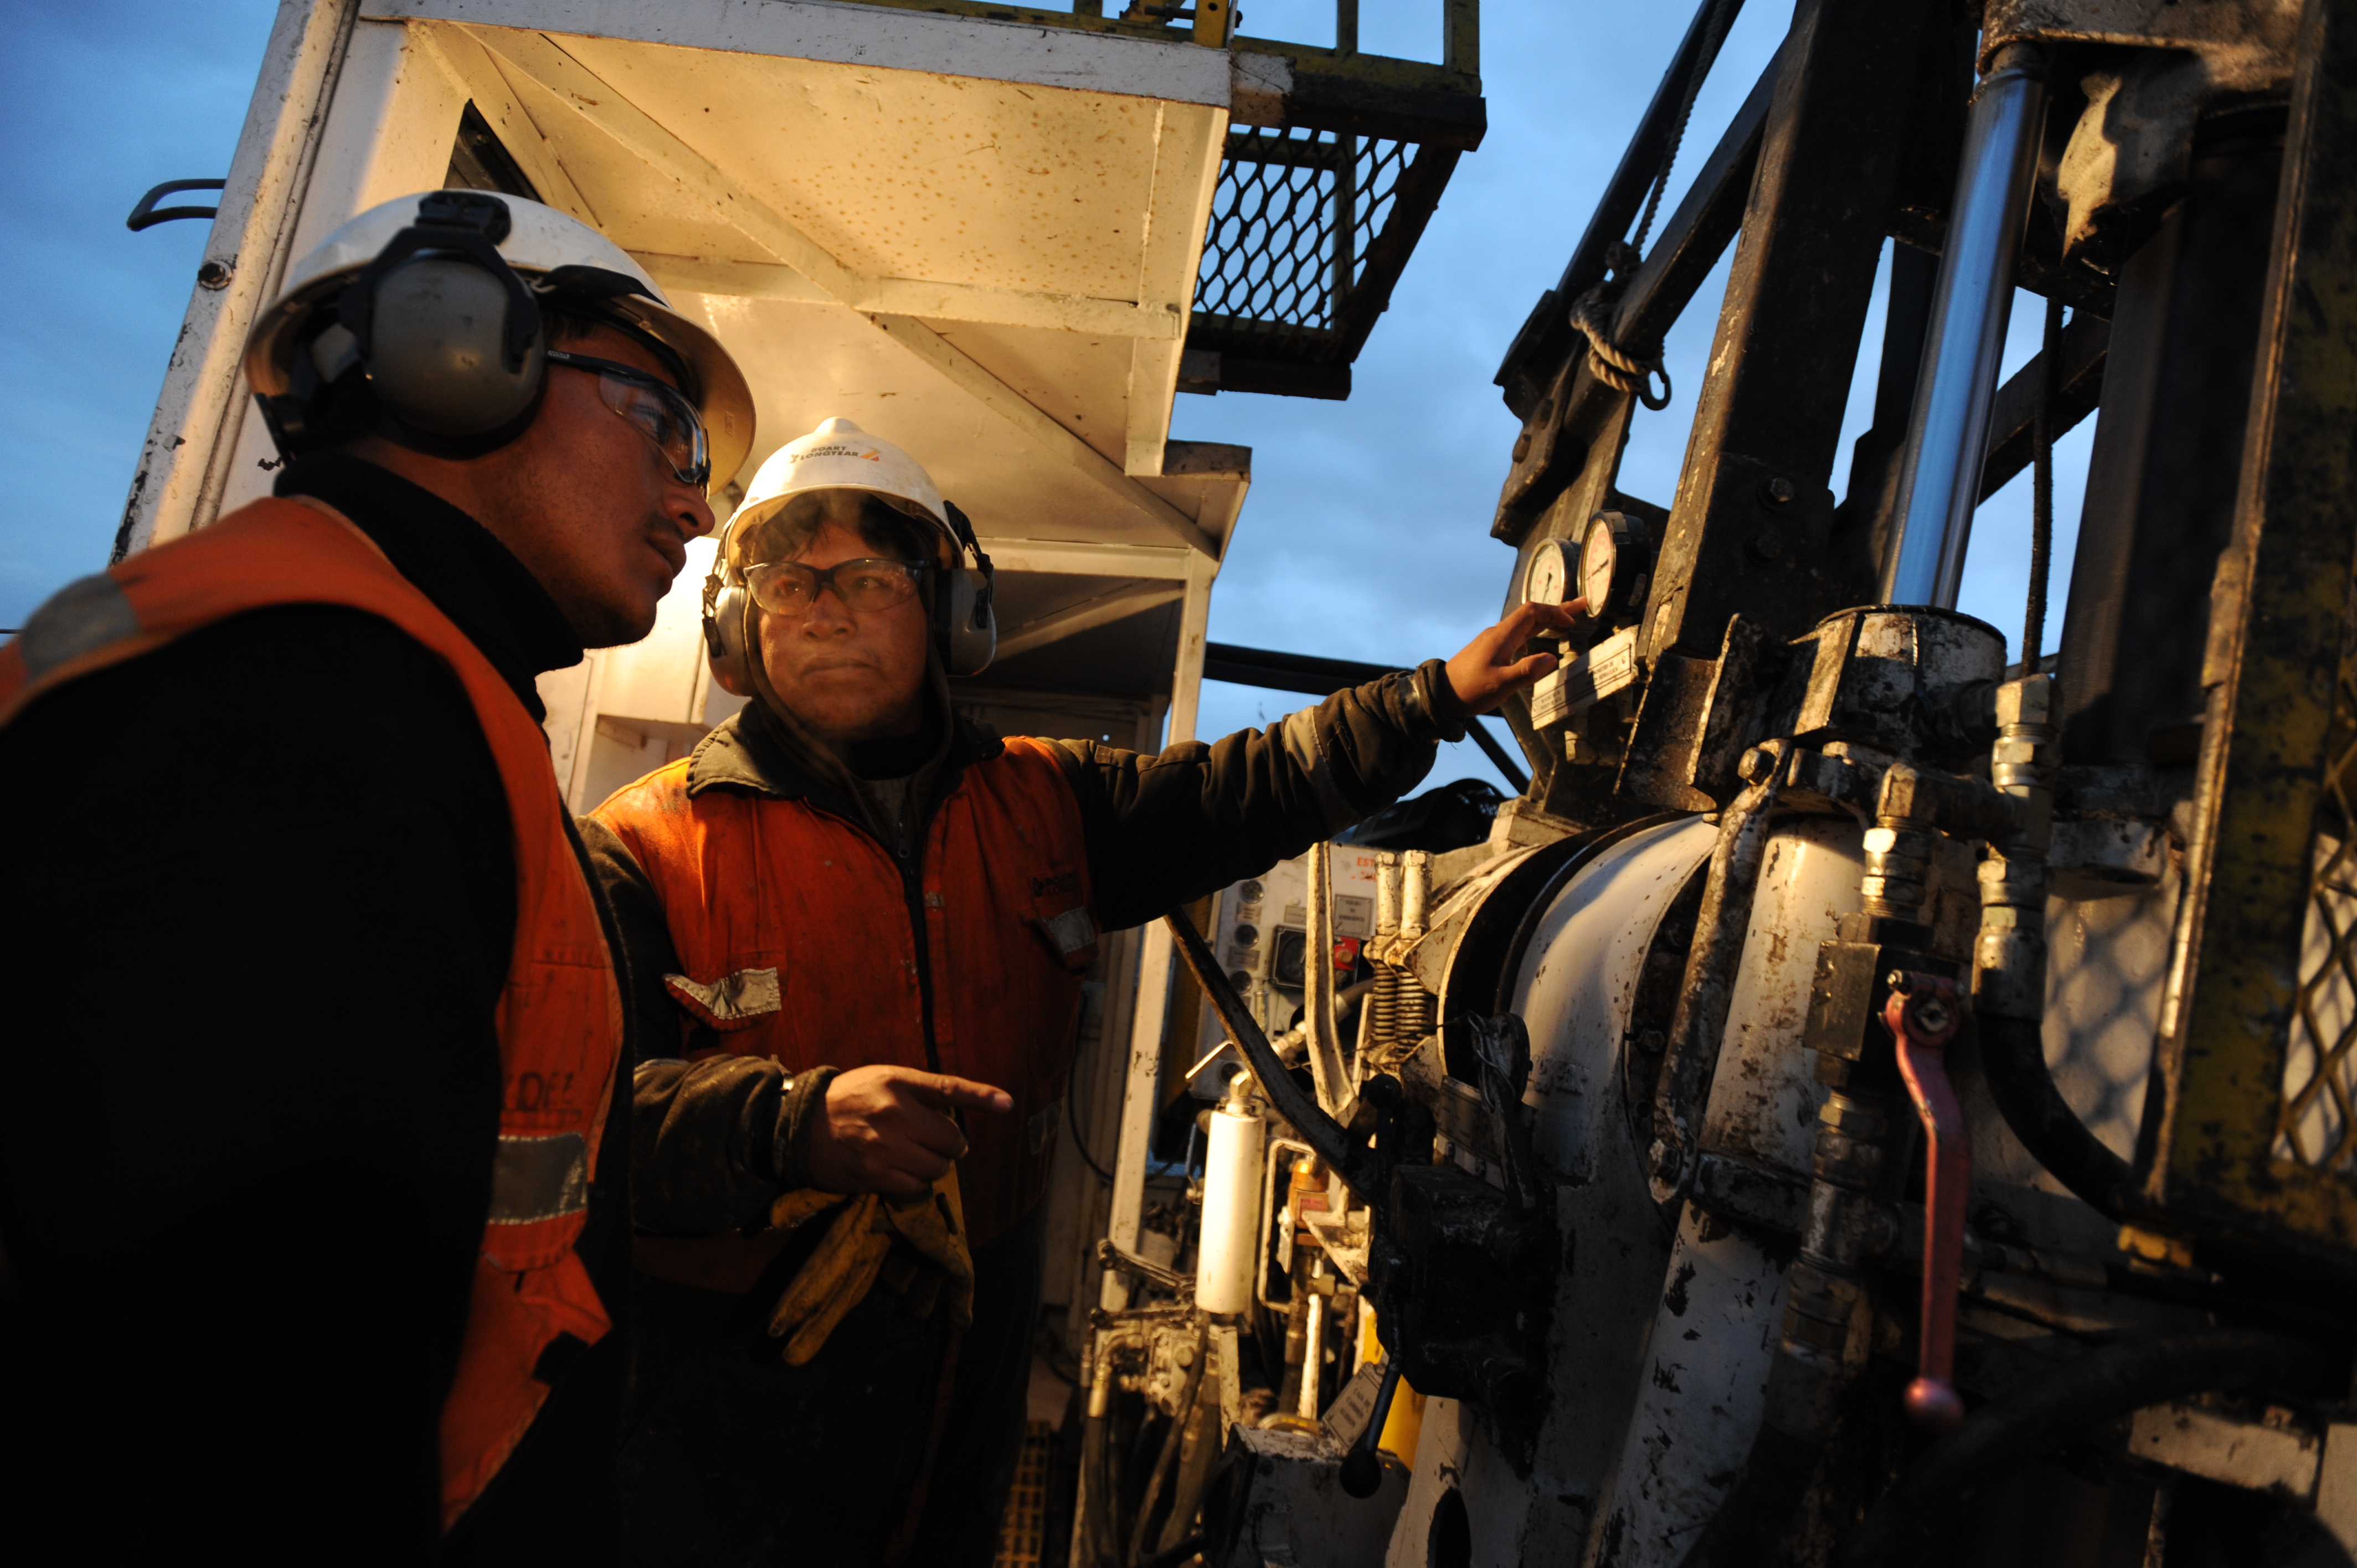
point(1367, 533)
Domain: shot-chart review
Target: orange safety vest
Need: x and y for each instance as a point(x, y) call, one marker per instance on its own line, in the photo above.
point(560, 1017)
point(794, 930)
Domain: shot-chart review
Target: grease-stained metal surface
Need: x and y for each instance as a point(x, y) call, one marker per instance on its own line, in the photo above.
point(1703, 1388)
point(1576, 983)
point(2279, 673)
point(1721, 1296)
point(1764, 1102)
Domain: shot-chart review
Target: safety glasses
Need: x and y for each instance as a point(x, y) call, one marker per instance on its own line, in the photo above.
point(656, 407)
point(789, 588)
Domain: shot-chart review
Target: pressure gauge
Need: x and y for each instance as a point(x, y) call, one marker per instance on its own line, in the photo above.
point(1548, 579)
point(1610, 562)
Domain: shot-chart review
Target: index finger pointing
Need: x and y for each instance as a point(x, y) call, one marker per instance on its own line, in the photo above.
point(952, 1094)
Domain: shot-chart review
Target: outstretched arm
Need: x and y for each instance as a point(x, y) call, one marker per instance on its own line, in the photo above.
point(1165, 829)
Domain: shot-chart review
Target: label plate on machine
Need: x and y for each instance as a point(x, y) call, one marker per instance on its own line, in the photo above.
point(1596, 675)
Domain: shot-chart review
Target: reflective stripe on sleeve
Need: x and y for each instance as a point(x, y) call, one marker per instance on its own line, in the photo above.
point(539, 1177)
point(80, 617)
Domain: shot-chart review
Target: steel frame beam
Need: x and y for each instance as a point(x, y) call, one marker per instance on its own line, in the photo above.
point(2279, 670)
point(1750, 527)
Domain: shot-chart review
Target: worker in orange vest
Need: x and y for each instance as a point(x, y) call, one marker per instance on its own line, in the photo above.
point(858, 924)
point(312, 1167)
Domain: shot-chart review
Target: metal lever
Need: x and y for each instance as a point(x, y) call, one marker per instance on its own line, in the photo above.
point(1113, 1256)
point(1362, 1472)
point(1924, 1012)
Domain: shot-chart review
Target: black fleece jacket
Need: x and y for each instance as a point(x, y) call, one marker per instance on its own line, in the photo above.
point(255, 913)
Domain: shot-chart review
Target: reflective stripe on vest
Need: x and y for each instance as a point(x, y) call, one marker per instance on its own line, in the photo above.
point(793, 933)
point(559, 1015)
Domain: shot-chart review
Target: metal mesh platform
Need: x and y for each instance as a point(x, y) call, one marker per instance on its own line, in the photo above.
point(1291, 223)
point(1310, 231)
point(1023, 1529)
point(2319, 1128)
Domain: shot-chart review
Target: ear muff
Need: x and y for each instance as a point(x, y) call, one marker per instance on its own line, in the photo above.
point(447, 333)
point(724, 622)
point(965, 624)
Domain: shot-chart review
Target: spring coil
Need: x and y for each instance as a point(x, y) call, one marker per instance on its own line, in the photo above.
point(1419, 1011)
point(1383, 1007)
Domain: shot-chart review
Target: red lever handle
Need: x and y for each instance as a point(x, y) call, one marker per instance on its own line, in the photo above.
point(1924, 1012)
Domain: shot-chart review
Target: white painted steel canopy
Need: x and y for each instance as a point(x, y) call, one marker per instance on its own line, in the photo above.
point(976, 238)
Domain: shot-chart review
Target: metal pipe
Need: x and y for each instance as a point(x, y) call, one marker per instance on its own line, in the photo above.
point(1700, 1016)
point(1940, 473)
point(1313, 1357)
point(1337, 1091)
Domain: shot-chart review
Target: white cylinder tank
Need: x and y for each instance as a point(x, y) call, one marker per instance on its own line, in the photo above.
point(1231, 1178)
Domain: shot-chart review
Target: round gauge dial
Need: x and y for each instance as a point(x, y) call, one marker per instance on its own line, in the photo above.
point(1547, 580)
point(1599, 565)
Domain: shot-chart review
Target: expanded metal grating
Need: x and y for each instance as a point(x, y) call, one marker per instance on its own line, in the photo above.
point(2318, 1127)
point(1023, 1529)
point(1293, 221)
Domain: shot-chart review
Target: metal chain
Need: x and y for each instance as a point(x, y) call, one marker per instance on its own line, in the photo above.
point(1613, 365)
point(1722, 12)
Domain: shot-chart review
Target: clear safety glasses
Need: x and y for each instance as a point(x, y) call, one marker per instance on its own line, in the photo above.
point(656, 407)
point(789, 588)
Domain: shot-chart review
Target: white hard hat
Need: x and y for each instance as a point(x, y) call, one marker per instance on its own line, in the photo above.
point(540, 243)
point(839, 456)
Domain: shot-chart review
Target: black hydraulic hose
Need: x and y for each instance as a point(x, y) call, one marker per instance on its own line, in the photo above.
point(1326, 1138)
point(1173, 1556)
point(1363, 1468)
point(1182, 1416)
point(1098, 1520)
point(2025, 1425)
point(1699, 1020)
point(2013, 1061)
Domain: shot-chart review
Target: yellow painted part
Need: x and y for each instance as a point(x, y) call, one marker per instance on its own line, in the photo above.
point(1403, 1428)
point(2155, 1248)
point(2271, 721)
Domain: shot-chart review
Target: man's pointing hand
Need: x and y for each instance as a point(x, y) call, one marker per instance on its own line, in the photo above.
point(888, 1129)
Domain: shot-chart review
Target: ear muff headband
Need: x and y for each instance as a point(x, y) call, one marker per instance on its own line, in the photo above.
point(448, 223)
point(448, 334)
point(727, 615)
point(965, 622)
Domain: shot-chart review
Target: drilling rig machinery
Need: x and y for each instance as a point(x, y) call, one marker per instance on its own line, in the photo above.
point(1875, 1096)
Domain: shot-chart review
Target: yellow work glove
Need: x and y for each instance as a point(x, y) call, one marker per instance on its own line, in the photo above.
point(845, 1268)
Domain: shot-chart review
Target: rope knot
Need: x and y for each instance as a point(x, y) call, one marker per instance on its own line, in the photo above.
point(1613, 365)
